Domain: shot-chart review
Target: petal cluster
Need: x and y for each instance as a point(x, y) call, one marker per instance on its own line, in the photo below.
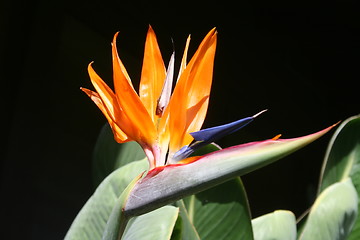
point(159, 123)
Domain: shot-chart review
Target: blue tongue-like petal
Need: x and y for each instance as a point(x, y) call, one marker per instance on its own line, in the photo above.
point(209, 135)
point(215, 133)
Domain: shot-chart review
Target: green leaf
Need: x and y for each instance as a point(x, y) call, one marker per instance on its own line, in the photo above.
point(164, 185)
point(186, 229)
point(301, 222)
point(109, 155)
point(278, 225)
point(333, 214)
point(212, 147)
point(117, 221)
point(342, 160)
point(91, 220)
point(221, 213)
point(155, 225)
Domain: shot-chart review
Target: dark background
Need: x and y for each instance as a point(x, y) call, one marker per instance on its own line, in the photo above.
point(298, 59)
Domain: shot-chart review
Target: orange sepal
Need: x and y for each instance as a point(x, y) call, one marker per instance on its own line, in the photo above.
point(152, 75)
point(119, 135)
point(189, 160)
point(192, 89)
point(129, 101)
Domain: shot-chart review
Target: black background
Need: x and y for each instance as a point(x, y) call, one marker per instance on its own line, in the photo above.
point(298, 59)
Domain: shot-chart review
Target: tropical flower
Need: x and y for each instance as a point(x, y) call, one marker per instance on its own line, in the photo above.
point(166, 126)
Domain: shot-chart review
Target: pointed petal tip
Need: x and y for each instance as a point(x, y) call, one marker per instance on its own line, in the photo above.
point(331, 127)
point(336, 123)
point(276, 137)
point(259, 113)
point(150, 30)
point(90, 65)
point(88, 91)
point(114, 38)
point(213, 32)
point(317, 134)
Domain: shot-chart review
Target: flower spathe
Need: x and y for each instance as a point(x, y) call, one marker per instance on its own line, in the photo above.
point(159, 123)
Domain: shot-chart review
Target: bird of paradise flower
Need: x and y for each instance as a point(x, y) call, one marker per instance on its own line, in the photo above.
point(167, 125)
point(164, 125)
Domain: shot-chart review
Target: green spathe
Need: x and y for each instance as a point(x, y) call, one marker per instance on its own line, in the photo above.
point(167, 184)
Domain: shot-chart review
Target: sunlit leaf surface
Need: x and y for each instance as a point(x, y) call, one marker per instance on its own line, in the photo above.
point(342, 160)
point(333, 214)
point(278, 225)
point(91, 221)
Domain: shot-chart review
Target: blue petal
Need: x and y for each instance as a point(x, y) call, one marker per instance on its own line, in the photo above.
point(184, 152)
point(214, 133)
point(209, 135)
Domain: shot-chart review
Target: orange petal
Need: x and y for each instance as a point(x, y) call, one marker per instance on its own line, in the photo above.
point(184, 58)
point(192, 91)
point(123, 73)
point(143, 128)
point(119, 135)
point(200, 90)
point(153, 74)
point(105, 93)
